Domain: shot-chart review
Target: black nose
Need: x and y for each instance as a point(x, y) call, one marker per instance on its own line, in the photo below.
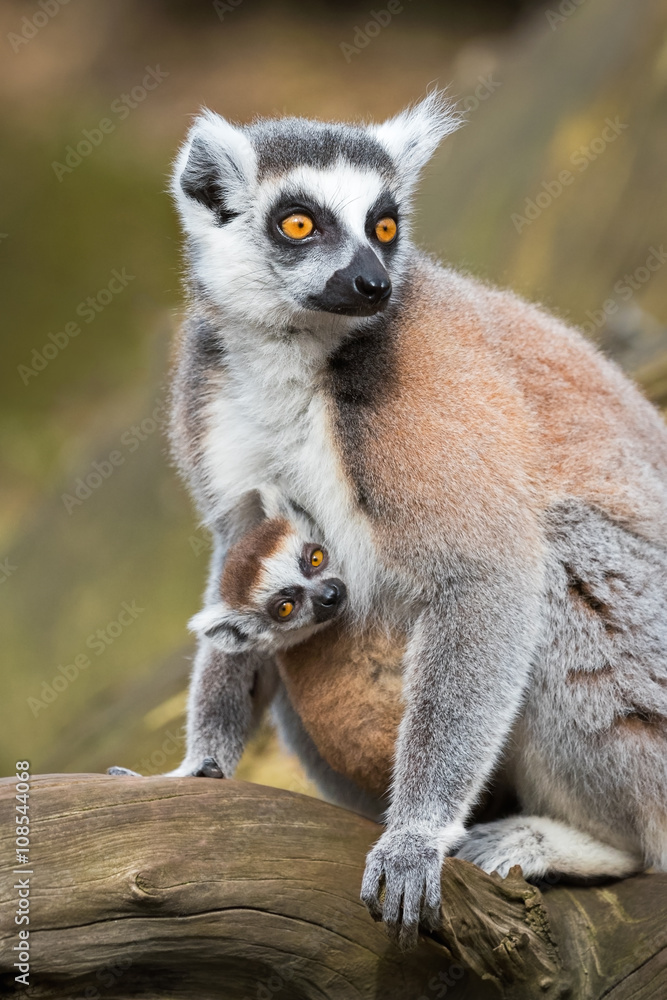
point(360, 289)
point(328, 599)
point(375, 289)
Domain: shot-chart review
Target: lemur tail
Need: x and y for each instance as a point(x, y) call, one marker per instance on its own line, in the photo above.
point(544, 847)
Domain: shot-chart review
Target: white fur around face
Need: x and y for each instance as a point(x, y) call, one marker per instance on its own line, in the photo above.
point(243, 273)
point(236, 263)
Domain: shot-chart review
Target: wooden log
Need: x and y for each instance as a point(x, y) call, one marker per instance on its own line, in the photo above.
point(189, 888)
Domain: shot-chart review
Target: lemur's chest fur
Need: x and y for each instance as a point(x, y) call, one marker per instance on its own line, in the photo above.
point(269, 420)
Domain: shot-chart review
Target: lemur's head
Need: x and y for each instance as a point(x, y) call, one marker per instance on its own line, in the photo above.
point(290, 220)
point(275, 590)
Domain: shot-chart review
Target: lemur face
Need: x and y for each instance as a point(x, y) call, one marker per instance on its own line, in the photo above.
point(276, 589)
point(291, 220)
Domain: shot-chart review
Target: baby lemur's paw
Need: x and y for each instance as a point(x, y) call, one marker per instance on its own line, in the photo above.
point(207, 769)
point(123, 771)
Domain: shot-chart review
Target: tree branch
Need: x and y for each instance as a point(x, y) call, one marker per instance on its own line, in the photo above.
point(193, 887)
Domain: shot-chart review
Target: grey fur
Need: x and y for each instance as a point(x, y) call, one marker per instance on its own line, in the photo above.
point(541, 642)
point(284, 143)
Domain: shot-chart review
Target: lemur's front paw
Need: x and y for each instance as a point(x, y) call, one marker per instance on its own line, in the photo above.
point(208, 769)
point(407, 864)
point(123, 771)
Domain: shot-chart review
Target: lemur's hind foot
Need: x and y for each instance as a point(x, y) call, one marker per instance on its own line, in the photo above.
point(544, 847)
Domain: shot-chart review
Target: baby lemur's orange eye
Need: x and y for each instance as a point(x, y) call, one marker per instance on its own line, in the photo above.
point(386, 230)
point(317, 558)
point(285, 609)
point(297, 226)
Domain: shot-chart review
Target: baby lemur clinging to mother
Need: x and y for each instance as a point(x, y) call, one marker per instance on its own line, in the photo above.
point(275, 589)
point(482, 477)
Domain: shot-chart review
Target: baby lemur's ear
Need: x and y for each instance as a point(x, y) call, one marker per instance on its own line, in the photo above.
point(412, 137)
point(273, 503)
point(214, 169)
point(223, 626)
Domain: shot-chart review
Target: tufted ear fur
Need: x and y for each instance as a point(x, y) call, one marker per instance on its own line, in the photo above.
point(412, 137)
point(214, 169)
point(224, 626)
point(273, 502)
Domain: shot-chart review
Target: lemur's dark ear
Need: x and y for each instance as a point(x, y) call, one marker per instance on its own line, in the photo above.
point(412, 137)
point(214, 169)
point(223, 626)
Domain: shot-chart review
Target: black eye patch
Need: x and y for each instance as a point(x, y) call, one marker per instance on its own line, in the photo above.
point(326, 228)
point(292, 594)
point(305, 564)
point(384, 206)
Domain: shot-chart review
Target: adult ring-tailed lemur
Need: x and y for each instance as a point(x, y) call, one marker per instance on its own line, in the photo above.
point(479, 473)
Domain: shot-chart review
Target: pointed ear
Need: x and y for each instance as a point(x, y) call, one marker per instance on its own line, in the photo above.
point(273, 502)
point(412, 137)
point(223, 626)
point(215, 168)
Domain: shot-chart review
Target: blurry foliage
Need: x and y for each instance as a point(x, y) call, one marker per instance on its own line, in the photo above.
point(549, 90)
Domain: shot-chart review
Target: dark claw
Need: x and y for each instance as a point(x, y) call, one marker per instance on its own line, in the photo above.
point(208, 769)
point(123, 771)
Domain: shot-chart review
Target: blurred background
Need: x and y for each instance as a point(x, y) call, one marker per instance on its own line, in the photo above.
point(556, 187)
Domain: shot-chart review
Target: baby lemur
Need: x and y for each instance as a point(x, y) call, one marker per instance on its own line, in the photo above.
point(273, 591)
point(482, 476)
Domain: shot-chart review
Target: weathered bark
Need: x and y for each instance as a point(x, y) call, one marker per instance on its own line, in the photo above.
point(190, 887)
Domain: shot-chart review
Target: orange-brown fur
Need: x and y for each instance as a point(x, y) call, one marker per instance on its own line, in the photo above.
point(475, 403)
point(244, 563)
point(346, 688)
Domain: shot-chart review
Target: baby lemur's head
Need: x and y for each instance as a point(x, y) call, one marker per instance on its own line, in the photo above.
point(275, 590)
point(291, 220)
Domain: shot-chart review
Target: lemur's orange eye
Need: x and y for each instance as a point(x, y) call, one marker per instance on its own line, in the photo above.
point(386, 230)
point(297, 226)
point(285, 609)
point(317, 558)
